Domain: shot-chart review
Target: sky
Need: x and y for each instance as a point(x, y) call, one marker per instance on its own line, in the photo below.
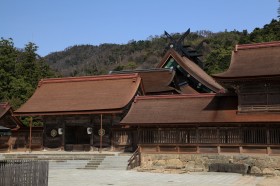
point(54, 25)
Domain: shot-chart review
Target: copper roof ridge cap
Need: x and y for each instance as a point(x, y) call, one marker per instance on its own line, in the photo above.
point(176, 96)
point(147, 70)
point(89, 78)
point(257, 45)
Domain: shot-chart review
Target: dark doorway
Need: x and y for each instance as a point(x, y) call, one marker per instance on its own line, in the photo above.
point(77, 138)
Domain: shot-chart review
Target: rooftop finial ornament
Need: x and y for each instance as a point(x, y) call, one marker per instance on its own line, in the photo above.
point(184, 50)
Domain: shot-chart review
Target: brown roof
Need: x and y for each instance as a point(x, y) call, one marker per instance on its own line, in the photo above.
point(154, 80)
point(4, 108)
point(6, 117)
point(81, 95)
point(190, 109)
point(253, 60)
point(193, 69)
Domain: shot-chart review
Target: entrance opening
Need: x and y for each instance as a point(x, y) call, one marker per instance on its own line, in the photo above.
point(76, 138)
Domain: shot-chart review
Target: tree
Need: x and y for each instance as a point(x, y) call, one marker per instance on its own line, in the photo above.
point(20, 72)
point(270, 32)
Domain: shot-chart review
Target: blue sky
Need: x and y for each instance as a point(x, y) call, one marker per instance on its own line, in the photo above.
point(54, 25)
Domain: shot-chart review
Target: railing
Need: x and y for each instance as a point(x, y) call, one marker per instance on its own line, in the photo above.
point(210, 135)
point(210, 140)
point(258, 108)
point(24, 173)
point(134, 160)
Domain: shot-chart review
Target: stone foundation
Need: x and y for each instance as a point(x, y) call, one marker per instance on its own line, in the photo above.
point(256, 164)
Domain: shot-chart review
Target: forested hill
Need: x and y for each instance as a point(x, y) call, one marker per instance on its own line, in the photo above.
point(93, 60)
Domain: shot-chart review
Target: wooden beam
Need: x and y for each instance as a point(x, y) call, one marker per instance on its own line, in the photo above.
point(101, 133)
point(30, 133)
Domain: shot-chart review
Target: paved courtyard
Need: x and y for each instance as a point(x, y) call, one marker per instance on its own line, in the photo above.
point(82, 177)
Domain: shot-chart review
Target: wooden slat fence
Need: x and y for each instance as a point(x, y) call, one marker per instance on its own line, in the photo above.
point(24, 173)
point(210, 135)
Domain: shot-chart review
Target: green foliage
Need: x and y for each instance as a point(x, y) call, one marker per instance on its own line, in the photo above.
point(270, 32)
point(20, 72)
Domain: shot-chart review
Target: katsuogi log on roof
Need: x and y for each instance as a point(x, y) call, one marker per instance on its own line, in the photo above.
point(82, 95)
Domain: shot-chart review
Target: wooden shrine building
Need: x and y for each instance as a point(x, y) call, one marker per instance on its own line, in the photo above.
point(254, 74)
point(7, 119)
point(10, 129)
point(247, 119)
point(81, 113)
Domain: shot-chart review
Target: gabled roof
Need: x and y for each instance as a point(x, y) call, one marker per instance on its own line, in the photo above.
point(82, 95)
point(253, 60)
point(154, 80)
point(193, 69)
point(6, 117)
point(190, 109)
point(4, 108)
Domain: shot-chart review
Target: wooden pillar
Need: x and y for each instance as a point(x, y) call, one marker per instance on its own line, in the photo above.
point(219, 149)
point(63, 135)
point(240, 149)
point(267, 136)
point(101, 133)
point(30, 133)
point(268, 148)
point(91, 135)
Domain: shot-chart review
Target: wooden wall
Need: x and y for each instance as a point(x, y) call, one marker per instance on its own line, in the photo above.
point(259, 96)
point(258, 139)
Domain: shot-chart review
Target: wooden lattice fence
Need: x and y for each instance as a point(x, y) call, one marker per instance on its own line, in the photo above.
point(24, 173)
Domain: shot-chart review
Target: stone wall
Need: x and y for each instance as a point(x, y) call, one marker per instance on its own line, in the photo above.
point(255, 164)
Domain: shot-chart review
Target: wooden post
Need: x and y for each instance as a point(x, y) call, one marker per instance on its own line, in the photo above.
point(101, 133)
point(30, 133)
point(63, 136)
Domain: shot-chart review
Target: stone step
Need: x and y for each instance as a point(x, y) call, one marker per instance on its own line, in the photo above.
point(114, 163)
point(69, 164)
point(93, 164)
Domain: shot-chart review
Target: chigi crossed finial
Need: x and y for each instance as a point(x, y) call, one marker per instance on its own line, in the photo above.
point(184, 50)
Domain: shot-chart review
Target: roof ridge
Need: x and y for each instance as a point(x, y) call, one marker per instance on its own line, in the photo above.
point(257, 45)
point(142, 70)
point(177, 96)
point(88, 78)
